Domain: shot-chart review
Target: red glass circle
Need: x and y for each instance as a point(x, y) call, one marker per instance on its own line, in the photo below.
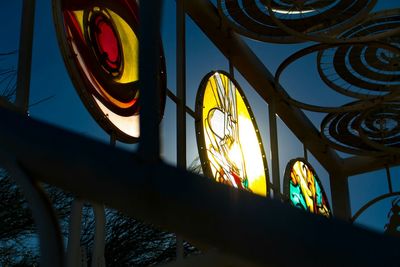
point(106, 42)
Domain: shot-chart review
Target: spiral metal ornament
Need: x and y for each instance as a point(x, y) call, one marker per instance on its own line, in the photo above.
point(250, 19)
point(355, 84)
point(382, 25)
point(371, 132)
point(292, 21)
point(365, 70)
point(339, 17)
point(380, 127)
point(362, 71)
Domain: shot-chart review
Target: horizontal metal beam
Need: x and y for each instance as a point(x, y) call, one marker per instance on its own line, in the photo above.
point(206, 16)
point(361, 164)
point(239, 223)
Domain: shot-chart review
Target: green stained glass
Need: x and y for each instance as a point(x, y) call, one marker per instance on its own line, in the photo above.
point(303, 188)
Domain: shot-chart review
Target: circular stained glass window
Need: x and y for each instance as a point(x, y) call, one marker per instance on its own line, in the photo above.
point(303, 188)
point(229, 143)
point(99, 44)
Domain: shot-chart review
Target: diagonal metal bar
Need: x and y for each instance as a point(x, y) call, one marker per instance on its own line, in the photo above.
point(176, 100)
point(237, 223)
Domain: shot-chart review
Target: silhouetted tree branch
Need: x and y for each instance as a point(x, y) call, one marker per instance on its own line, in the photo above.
point(8, 76)
point(128, 242)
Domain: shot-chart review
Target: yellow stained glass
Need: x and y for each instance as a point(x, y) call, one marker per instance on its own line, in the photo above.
point(232, 150)
point(130, 44)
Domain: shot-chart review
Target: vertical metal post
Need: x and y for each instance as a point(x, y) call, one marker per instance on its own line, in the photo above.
point(340, 196)
point(113, 140)
point(179, 248)
point(305, 152)
point(99, 244)
point(389, 179)
point(25, 55)
point(231, 69)
point(273, 132)
point(149, 60)
point(99, 236)
point(181, 84)
point(73, 256)
point(51, 246)
point(181, 95)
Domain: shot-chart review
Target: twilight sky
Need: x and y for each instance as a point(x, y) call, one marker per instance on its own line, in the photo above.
point(50, 78)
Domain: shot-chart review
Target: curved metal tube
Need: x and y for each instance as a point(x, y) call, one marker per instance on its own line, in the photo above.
point(332, 39)
point(372, 202)
point(354, 106)
point(51, 245)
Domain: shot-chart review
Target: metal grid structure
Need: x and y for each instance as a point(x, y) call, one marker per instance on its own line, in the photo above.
point(189, 213)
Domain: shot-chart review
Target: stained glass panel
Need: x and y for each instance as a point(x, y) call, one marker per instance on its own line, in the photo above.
point(229, 143)
point(100, 44)
point(303, 188)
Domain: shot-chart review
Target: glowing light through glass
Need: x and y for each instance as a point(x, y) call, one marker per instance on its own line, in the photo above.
point(229, 143)
point(100, 47)
point(303, 189)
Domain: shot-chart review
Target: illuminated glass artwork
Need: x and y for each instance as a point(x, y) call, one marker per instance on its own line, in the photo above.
point(229, 143)
point(100, 47)
point(303, 188)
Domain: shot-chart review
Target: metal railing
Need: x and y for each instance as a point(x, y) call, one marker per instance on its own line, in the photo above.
point(241, 225)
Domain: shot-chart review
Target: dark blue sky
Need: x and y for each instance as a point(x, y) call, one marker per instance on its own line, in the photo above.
point(50, 78)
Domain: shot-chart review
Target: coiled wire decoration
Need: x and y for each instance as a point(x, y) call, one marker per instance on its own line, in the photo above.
point(285, 21)
point(371, 132)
